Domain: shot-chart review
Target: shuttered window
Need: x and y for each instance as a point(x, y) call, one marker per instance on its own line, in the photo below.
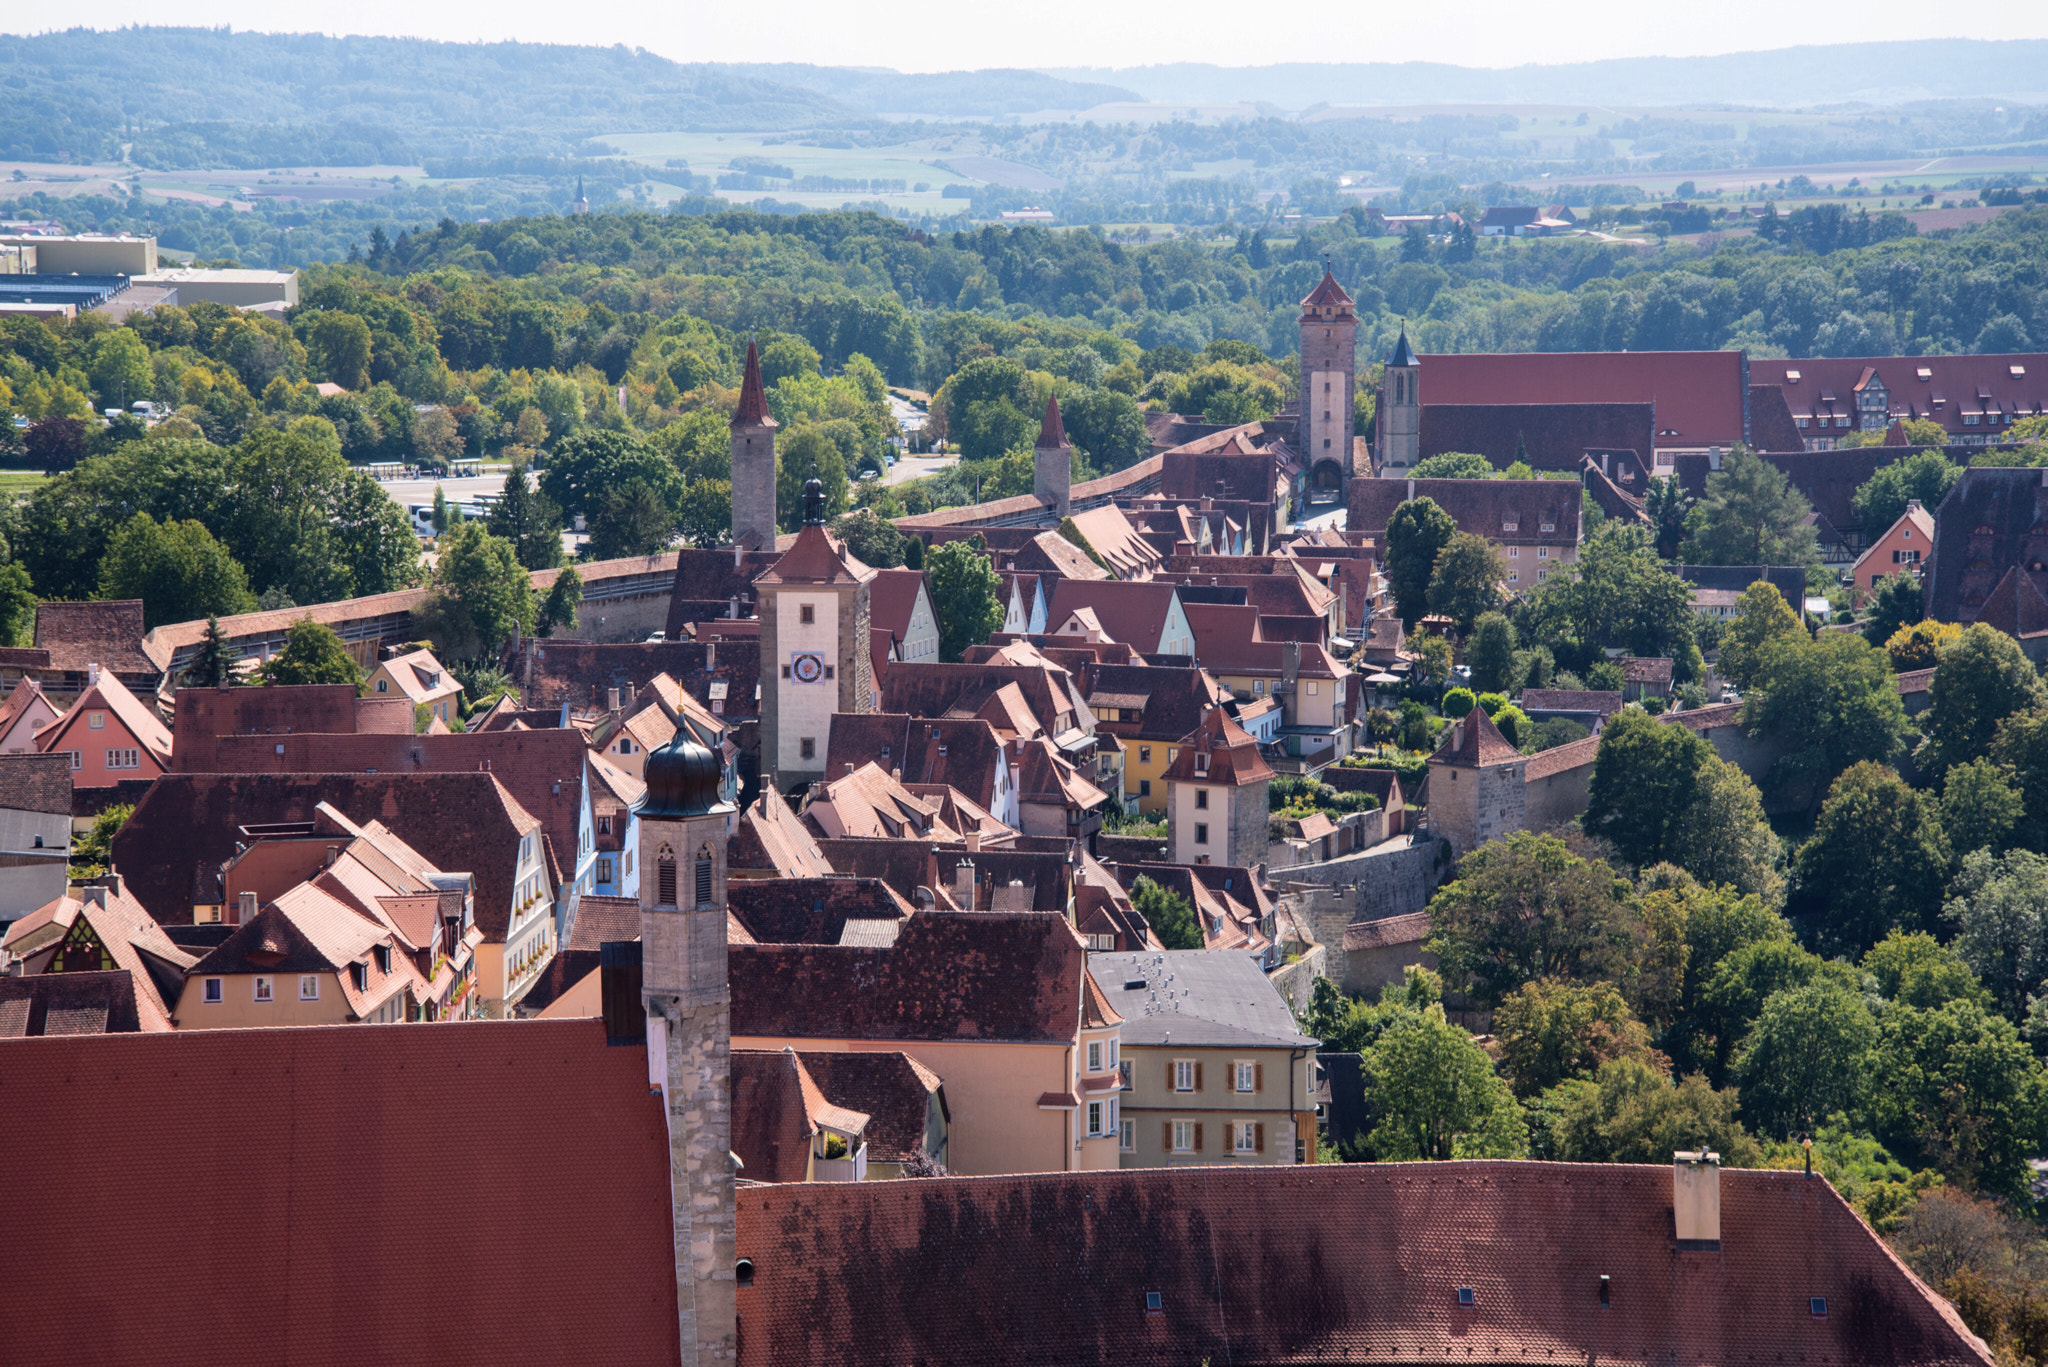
point(665, 880)
point(704, 878)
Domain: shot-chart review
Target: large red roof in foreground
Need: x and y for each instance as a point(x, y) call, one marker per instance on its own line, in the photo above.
point(493, 1192)
point(1698, 394)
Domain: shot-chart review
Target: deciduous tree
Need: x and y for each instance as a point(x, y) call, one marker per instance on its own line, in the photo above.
point(1416, 534)
point(965, 592)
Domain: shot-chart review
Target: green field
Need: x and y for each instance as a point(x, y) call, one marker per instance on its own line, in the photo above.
point(15, 483)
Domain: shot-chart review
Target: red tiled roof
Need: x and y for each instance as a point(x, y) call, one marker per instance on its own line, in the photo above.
point(1057, 1269)
point(816, 557)
point(950, 976)
point(1483, 507)
point(1327, 291)
point(2010, 386)
point(771, 1126)
point(35, 783)
point(892, 1089)
point(1606, 702)
point(1134, 613)
point(1475, 742)
point(1387, 932)
point(1550, 436)
point(1698, 393)
point(107, 634)
point(317, 1251)
point(1233, 756)
point(1559, 759)
point(892, 599)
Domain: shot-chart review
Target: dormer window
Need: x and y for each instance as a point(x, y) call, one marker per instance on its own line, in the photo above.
point(1509, 524)
point(1201, 765)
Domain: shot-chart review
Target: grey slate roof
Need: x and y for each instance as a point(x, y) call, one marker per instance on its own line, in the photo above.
point(1199, 997)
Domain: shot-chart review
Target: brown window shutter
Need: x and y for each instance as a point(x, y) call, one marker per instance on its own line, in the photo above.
point(1259, 1136)
point(1169, 1075)
point(1198, 1075)
point(1258, 1077)
point(1166, 1136)
point(1198, 1136)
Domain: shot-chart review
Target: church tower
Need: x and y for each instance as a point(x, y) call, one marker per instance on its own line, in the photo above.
point(815, 651)
point(1398, 427)
point(1052, 462)
point(684, 822)
point(753, 462)
point(1329, 375)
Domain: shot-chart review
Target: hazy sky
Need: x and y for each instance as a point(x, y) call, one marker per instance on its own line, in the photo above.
point(931, 35)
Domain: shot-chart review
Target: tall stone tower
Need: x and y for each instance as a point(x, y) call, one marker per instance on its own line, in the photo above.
point(1329, 374)
point(684, 822)
point(753, 462)
point(815, 658)
point(1398, 427)
point(1052, 461)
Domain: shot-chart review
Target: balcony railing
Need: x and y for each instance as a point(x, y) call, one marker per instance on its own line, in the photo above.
point(854, 1169)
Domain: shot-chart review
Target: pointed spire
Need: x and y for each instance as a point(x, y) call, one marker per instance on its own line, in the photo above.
point(753, 408)
point(1052, 433)
point(1403, 355)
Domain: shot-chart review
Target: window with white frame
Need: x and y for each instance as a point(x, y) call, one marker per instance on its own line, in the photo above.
point(213, 991)
point(1246, 1075)
point(1183, 1136)
point(1183, 1075)
point(96, 720)
point(1127, 1136)
point(1244, 1137)
point(1113, 1060)
point(263, 989)
point(1095, 1056)
point(77, 758)
point(309, 987)
point(1095, 1117)
point(124, 759)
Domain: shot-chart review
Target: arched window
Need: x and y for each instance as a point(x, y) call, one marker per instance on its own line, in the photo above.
point(704, 876)
point(665, 878)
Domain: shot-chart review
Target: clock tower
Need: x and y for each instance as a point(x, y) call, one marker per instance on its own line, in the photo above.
point(815, 657)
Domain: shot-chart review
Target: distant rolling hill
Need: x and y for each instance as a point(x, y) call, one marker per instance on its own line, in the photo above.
point(1878, 73)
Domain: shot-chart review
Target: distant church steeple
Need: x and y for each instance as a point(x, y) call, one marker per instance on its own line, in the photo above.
point(582, 205)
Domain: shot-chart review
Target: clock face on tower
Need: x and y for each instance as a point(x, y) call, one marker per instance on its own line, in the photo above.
point(807, 667)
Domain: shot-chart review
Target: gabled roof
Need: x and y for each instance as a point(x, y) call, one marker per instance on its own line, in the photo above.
point(2017, 606)
point(104, 633)
point(1474, 742)
point(1135, 613)
point(187, 826)
point(1403, 354)
point(1045, 778)
point(771, 1126)
point(771, 836)
point(324, 1224)
point(1498, 509)
point(1605, 702)
point(1915, 519)
point(892, 600)
point(1050, 553)
point(868, 803)
point(1219, 752)
point(1698, 394)
point(136, 717)
point(1196, 997)
point(68, 1004)
point(1380, 1251)
point(993, 976)
point(125, 932)
point(601, 920)
point(35, 783)
point(892, 1089)
point(421, 677)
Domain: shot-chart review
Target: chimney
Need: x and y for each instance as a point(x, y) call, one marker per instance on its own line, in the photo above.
point(848, 766)
point(1696, 1199)
point(732, 608)
point(710, 655)
point(611, 700)
point(92, 675)
point(333, 853)
point(1014, 897)
point(245, 908)
point(963, 884)
point(974, 841)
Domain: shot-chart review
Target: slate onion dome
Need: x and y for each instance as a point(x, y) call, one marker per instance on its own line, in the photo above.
point(814, 503)
point(682, 781)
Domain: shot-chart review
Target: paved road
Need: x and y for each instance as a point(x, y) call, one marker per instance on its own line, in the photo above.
point(915, 467)
point(407, 492)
